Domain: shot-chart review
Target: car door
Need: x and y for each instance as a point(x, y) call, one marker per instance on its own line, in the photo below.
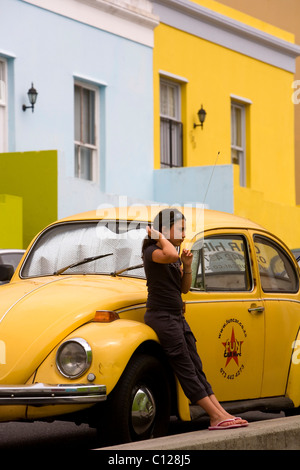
point(279, 283)
point(225, 312)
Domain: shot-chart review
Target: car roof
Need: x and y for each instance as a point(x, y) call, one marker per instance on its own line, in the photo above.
point(198, 219)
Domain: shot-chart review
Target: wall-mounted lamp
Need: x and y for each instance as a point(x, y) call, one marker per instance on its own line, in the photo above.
point(201, 115)
point(32, 96)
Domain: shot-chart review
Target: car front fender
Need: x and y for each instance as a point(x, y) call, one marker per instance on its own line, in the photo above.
point(112, 346)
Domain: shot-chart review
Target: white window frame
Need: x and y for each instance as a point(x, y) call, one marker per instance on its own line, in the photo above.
point(238, 152)
point(174, 157)
point(94, 148)
point(3, 105)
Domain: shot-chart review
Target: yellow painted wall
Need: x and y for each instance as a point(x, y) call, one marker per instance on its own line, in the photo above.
point(284, 14)
point(213, 73)
point(11, 221)
point(281, 219)
point(32, 176)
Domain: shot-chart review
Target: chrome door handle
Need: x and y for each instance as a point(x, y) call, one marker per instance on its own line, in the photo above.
point(255, 310)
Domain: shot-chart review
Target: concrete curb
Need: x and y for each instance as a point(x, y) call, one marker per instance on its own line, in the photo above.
point(273, 434)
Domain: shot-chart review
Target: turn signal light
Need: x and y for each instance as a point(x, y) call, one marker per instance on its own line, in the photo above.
point(105, 316)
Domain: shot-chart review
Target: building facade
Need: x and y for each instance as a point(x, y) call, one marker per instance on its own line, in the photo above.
point(89, 138)
point(284, 14)
point(121, 88)
point(240, 70)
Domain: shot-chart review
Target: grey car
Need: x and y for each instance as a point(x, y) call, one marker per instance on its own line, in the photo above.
point(9, 257)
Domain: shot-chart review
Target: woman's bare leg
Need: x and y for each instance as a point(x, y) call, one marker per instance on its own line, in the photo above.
point(217, 404)
point(216, 412)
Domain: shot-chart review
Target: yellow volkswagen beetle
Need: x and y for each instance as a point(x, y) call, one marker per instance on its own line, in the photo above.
point(73, 341)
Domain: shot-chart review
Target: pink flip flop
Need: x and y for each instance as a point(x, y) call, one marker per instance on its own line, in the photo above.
point(230, 426)
point(241, 424)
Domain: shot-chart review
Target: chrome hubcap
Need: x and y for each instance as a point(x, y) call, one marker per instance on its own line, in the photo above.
point(143, 410)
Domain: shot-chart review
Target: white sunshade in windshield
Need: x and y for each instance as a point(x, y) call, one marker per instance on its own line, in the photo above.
point(67, 244)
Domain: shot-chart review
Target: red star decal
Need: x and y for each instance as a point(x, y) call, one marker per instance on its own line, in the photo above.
point(232, 349)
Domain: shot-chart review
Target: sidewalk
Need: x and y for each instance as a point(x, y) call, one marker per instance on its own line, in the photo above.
point(273, 434)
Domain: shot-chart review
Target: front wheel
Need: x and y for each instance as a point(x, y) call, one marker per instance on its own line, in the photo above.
point(139, 406)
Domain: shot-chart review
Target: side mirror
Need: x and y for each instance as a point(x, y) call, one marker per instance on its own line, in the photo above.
point(6, 272)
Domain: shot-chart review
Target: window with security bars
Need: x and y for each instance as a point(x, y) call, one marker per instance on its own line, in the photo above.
point(238, 139)
point(170, 125)
point(86, 134)
point(3, 106)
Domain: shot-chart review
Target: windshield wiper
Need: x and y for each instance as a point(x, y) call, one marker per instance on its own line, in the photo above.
point(85, 260)
point(116, 273)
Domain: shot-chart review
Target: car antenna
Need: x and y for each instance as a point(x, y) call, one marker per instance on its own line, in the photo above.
point(203, 203)
point(211, 178)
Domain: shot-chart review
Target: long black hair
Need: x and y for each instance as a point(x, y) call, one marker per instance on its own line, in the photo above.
point(165, 218)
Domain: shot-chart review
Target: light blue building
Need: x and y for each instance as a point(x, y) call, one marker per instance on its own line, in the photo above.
point(90, 62)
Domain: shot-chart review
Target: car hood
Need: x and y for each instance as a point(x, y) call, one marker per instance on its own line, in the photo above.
point(35, 315)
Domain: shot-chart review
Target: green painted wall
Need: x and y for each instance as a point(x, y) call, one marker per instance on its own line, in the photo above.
point(31, 176)
point(11, 221)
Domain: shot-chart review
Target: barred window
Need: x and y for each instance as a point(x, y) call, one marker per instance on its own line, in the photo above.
point(170, 125)
point(86, 131)
point(238, 139)
point(3, 106)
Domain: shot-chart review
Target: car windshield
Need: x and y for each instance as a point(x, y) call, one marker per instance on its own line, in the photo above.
point(67, 244)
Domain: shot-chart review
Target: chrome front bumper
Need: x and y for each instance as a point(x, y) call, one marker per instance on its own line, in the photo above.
point(40, 394)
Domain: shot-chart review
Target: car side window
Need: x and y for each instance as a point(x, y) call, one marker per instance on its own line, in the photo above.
point(221, 263)
point(277, 272)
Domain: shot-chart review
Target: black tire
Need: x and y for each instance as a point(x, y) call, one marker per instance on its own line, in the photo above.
point(139, 406)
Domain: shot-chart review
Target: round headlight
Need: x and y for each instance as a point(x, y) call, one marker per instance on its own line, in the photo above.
point(74, 357)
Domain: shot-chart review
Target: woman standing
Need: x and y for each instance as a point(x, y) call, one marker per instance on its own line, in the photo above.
point(166, 280)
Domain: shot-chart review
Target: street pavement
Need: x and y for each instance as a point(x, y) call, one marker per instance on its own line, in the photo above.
point(272, 434)
point(70, 437)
